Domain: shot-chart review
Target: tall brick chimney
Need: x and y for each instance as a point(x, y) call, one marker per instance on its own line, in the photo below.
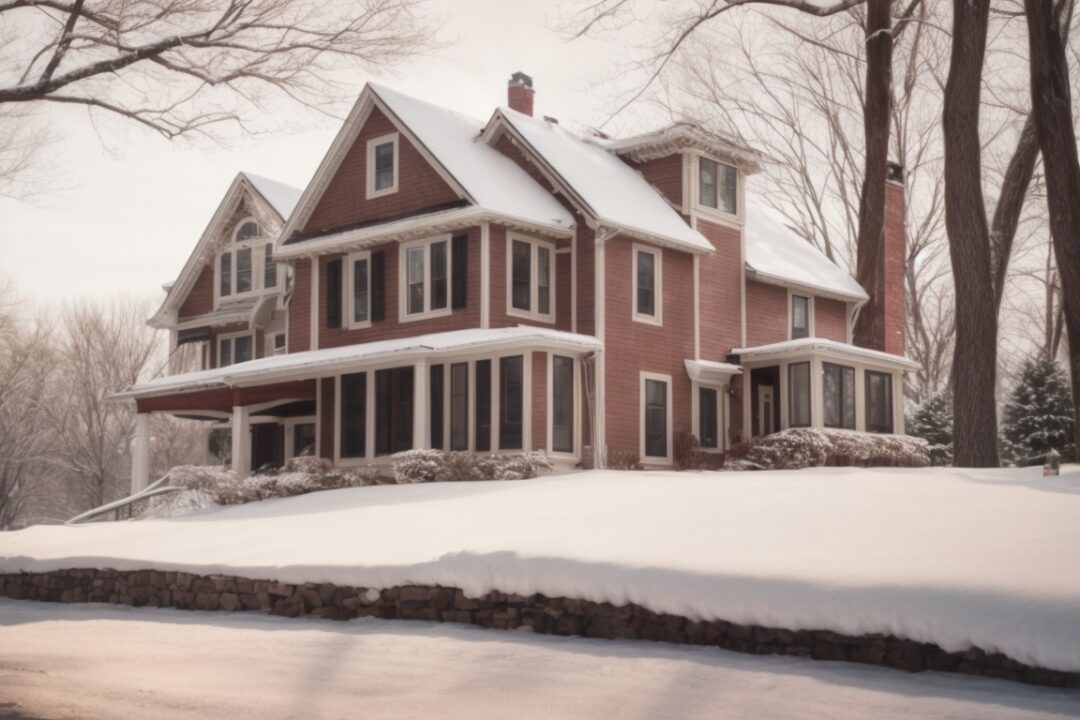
point(519, 93)
point(890, 305)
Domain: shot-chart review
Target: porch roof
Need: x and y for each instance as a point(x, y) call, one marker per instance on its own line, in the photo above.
point(822, 346)
point(312, 363)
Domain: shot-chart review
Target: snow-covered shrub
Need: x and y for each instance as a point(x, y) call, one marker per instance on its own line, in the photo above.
point(621, 459)
point(932, 420)
point(815, 447)
point(459, 467)
point(416, 466)
point(1038, 415)
point(688, 454)
point(522, 466)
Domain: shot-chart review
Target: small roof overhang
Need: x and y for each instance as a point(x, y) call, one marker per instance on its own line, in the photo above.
point(328, 361)
point(824, 348)
point(710, 371)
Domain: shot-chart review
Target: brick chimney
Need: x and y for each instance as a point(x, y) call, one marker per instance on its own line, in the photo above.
point(519, 93)
point(890, 305)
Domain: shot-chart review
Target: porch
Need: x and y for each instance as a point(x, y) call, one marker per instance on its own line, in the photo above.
point(491, 390)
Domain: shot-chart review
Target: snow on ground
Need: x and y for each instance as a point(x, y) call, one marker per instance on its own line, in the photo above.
point(957, 557)
point(89, 661)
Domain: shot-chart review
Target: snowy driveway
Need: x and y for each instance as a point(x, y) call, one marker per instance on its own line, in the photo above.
point(102, 661)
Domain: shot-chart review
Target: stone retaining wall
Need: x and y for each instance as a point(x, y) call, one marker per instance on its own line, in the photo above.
point(548, 615)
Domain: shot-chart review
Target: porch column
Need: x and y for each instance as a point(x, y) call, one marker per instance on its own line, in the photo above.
point(140, 454)
point(421, 404)
point(241, 441)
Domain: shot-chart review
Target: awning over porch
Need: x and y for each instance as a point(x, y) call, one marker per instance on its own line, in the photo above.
point(823, 348)
point(305, 365)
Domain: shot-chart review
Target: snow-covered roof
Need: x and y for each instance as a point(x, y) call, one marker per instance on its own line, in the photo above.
point(298, 364)
point(616, 194)
point(774, 254)
point(282, 197)
point(494, 181)
point(710, 370)
point(681, 136)
point(816, 345)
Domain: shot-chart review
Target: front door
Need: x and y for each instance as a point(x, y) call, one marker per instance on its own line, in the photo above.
point(765, 410)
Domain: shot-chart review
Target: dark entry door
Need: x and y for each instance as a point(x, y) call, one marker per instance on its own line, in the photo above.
point(267, 446)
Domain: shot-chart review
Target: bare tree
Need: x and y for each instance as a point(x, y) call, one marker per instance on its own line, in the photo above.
point(105, 347)
point(186, 67)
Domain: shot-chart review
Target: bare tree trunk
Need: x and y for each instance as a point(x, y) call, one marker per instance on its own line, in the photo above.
point(1052, 106)
point(975, 355)
point(869, 329)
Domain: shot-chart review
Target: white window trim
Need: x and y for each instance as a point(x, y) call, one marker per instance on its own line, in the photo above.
point(575, 453)
point(277, 267)
point(534, 278)
point(403, 279)
point(231, 338)
point(273, 349)
point(658, 268)
point(695, 414)
point(654, 459)
point(695, 191)
point(810, 312)
point(350, 315)
point(289, 424)
point(371, 192)
point(257, 245)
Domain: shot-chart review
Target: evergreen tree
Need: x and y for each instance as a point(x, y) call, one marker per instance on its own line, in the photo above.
point(1039, 414)
point(933, 422)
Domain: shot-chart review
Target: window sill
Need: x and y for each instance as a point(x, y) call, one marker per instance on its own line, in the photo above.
point(720, 216)
point(649, 320)
point(375, 194)
point(357, 326)
point(525, 315)
point(425, 315)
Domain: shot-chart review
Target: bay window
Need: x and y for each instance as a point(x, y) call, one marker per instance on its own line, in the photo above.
point(879, 402)
point(799, 394)
point(562, 404)
point(838, 395)
point(511, 402)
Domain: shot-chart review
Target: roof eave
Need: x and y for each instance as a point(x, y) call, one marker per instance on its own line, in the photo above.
point(818, 290)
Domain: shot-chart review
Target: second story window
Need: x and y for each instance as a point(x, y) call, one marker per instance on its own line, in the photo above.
point(718, 185)
point(382, 166)
point(358, 283)
point(647, 284)
point(800, 317)
point(269, 266)
point(233, 349)
point(530, 270)
point(425, 272)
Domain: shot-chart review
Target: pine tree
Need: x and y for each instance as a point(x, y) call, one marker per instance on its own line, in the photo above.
point(1039, 414)
point(933, 422)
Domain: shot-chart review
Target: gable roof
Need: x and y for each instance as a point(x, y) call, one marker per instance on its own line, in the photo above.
point(612, 191)
point(450, 142)
point(775, 255)
point(275, 198)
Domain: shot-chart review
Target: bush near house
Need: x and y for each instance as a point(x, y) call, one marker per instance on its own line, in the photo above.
point(796, 448)
point(415, 466)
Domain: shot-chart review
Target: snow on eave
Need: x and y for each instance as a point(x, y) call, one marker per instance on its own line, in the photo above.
point(303, 365)
point(808, 287)
point(683, 136)
point(814, 345)
point(710, 369)
point(279, 196)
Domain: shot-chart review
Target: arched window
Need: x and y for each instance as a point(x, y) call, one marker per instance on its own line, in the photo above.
point(247, 231)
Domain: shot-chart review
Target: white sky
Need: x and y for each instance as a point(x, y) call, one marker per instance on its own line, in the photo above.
point(123, 216)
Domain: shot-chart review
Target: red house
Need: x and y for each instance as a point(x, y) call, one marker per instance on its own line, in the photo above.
point(509, 285)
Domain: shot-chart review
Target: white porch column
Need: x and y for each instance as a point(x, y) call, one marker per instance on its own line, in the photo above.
point(421, 404)
point(140, 454)
point(241, 441)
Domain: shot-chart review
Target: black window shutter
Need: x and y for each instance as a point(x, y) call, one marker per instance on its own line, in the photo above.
point(378, 286)
point(460, 262)
point(333, 294)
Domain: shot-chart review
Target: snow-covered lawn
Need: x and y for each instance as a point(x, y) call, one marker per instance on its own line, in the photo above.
point(103, 661)
point(988, 558)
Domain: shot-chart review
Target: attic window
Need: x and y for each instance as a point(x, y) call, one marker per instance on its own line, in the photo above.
point(382, 165)
point(718, 185)
point(247, 231)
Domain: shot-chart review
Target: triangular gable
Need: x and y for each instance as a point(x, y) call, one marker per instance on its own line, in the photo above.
point(344, 151)
point(242, 199)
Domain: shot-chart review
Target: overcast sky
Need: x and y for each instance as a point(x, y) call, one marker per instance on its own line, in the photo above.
point(123, 217)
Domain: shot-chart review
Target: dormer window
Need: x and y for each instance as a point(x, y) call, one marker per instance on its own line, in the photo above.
point(247, 263)
point(718, 186)
point(382, 166)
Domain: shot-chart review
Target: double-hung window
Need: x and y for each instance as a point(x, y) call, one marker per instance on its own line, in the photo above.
point(382, 166)
point(800, 317)
point(247, 263)
point(562, 404)
point(648, 287)
point(234, 349)
point(708, 411)
point(655, 416)
point(425, 272)
point(718, 186)
point(879, 402)
point(358, 289)
point(838, 395)
point(531, 270)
